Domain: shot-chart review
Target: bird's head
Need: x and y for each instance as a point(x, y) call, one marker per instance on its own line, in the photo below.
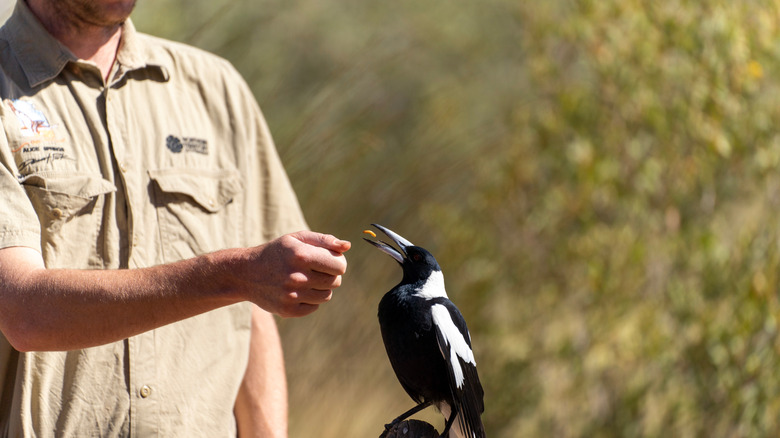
point(416, 261)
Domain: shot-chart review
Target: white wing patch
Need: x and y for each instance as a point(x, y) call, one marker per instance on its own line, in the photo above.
point(453, 337)
point(433, 287)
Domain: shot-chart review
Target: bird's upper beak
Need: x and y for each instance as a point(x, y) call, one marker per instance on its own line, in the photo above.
point(399, 240)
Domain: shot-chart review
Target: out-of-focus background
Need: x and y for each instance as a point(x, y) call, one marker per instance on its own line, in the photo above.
point(598, 179)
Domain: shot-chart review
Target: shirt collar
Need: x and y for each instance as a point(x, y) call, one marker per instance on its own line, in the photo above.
point(133, 54)
point(42, 57)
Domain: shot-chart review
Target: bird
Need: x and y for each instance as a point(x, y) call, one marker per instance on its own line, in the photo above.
point(427, 341)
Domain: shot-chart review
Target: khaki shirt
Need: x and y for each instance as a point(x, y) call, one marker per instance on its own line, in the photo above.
point(169, 159)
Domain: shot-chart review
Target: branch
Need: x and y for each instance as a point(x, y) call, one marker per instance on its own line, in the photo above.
point(411, 429)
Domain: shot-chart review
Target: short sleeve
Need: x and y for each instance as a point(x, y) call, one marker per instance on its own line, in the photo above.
point(19, 224)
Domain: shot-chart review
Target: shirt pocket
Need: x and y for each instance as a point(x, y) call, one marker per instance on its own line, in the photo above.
point(198, 211)
point(70, 209)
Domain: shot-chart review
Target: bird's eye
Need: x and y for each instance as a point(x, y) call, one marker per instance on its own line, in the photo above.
point(416, 257)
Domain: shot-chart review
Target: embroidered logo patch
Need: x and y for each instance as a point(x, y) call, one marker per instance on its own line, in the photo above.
point(32, 122)
point(36, 143)
point(186, 144)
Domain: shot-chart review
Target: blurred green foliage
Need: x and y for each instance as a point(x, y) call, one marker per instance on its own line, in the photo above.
point(599, 181)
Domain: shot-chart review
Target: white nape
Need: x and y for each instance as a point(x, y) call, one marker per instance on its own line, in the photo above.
point(433, 287)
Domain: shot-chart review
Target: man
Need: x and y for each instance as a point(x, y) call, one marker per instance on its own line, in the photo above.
point(137, 178)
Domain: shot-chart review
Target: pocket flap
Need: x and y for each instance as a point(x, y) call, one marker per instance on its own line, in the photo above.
point(65, 195)
point(211, 189)
point(80, 186)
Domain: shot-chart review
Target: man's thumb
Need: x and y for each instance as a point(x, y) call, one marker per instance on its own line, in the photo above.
point(326, 241)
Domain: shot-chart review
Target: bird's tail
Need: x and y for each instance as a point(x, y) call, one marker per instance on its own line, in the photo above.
point(456, 431)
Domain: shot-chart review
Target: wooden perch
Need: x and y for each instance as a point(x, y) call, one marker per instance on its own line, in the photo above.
point(411, 429)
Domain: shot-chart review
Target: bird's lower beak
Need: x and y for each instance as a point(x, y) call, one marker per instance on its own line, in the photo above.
point(387, 248)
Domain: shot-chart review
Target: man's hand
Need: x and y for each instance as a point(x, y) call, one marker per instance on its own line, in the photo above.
point(294, 274)
point(66, 309)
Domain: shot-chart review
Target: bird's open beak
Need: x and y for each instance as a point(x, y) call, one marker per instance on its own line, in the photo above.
point(386, 247)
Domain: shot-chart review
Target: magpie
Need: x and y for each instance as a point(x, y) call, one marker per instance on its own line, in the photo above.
point(428, 343)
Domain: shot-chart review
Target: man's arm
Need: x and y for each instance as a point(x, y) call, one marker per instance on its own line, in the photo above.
point(62, 309)
point(261, 405)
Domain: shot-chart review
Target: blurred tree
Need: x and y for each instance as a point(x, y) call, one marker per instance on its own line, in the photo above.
point(597, 179)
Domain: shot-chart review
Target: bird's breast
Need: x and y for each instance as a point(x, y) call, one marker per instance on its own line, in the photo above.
point(407, 328)
point(410, 341)
point(405, 312)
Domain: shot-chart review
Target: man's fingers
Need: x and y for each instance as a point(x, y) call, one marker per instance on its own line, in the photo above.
point(331, 266)
point(314, 280)
point(326, 241)
point(310, 296)
point(300, 309)
point(323, 252)
point(305, 268)
point(316, 296)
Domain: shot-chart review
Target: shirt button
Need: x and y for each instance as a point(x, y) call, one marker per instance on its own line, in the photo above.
point(146, 391)
point(123, 167)
point(57, 213)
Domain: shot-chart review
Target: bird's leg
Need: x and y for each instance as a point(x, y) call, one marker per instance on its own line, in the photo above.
point(449, 422)
point(407, 414)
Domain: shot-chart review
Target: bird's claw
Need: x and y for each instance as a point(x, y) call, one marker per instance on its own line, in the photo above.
point(386, 431)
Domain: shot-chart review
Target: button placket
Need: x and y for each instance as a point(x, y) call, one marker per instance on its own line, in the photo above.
point(124, 161)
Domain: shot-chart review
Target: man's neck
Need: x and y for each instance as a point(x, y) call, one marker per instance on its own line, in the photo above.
point(87, 40)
